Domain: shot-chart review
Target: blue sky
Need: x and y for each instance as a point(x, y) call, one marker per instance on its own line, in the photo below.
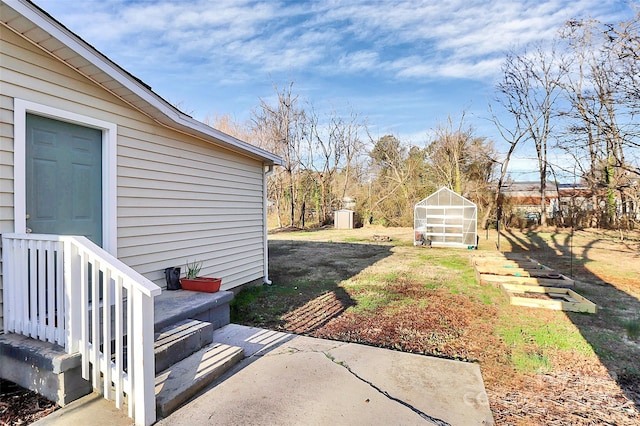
point(404, 66)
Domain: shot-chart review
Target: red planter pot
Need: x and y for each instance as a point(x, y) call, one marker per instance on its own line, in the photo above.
point(204, 284)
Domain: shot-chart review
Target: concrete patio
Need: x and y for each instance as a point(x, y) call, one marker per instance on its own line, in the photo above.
point(286, 379)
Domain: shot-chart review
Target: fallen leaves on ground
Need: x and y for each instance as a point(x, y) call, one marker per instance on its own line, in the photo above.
point(19, 406)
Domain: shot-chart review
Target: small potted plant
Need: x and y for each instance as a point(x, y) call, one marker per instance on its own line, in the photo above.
point(193, 282)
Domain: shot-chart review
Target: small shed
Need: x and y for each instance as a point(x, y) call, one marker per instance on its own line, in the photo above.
point(445, 219)
point(344, 219)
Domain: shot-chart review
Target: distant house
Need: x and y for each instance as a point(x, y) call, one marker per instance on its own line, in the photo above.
point(524, 198)
point(88, 150)
point(574, 197)
point(565, 199)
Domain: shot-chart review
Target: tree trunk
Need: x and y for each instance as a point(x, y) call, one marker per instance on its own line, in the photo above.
point(543, 198)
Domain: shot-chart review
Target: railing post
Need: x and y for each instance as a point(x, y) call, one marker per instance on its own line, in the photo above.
point(61, 313)
point(144, 368)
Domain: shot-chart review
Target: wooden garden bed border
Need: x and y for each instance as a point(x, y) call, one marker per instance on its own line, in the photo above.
point(496, 269)
point(581, 303)
point(497, 280)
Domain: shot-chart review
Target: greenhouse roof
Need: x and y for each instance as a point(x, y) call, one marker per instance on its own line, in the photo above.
point(445, 197)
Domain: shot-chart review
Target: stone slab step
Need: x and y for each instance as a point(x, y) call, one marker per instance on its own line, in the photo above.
point(180, 340)
point(181, 381)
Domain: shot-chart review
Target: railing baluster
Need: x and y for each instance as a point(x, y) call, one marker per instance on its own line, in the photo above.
point(25, 325)
point(84, 309)
point(106, 319)
point(144, 376)
point(95, 322)
point(32, 276)
point(50, 286)
point(131, 339)
point(41, 288)
point(10, 306)
point(119, 343)
point(22, 280)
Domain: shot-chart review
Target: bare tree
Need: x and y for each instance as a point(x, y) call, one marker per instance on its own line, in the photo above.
point(624, 43)
point(227, 124)
point(331, 153)
point(515, 131)
point(513, 135)
point(347, 132)
point(447, 151)
point(532, 83)
point(399, 179)
point(460, 160)
point(463, 162)
point(281, 129)
point(593, 88)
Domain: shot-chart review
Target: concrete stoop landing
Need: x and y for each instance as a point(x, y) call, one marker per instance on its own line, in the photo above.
point(186, 359)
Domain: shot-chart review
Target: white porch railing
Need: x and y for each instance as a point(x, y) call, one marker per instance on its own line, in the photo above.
point(69, 291)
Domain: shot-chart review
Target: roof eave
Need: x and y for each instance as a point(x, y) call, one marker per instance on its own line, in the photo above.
point(160, 110)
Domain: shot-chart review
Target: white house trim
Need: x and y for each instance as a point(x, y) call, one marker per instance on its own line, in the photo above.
point(268, 169)
point(109, 166)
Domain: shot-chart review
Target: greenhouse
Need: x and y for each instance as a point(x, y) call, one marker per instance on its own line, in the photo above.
point(445, 219)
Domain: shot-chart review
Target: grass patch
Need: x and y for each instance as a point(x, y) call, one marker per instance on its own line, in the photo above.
point(369, 300)
point(532, 361)
point(633, 328)
point(534, 339)
point(240, 306)
point(355, 240)
point(264, 305)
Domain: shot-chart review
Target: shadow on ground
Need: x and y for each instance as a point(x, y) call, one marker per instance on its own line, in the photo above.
point(304, 294)
point(605, 331)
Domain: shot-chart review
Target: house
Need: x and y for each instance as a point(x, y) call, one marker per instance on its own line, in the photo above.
point(524, 198)
point(570, 200)
point(574, 198)
point(103, 185)
point(578, 200)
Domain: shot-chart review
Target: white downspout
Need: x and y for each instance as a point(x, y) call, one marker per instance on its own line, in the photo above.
point(267, 171)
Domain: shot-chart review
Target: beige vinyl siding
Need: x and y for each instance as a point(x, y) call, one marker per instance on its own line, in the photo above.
point(179, 198)
point(208, 204)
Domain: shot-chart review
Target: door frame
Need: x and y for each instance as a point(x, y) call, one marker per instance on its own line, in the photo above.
point(109, 165)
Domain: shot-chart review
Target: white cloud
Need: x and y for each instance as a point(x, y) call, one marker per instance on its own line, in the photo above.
point(359, 61)
point(408, 39)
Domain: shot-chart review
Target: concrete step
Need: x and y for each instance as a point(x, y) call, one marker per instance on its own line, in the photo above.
point(42, 367)
point(173, 306)
point(181, 381)
point(180, 340)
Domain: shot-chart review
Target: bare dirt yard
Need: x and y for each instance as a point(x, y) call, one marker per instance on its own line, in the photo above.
point(539, 366)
